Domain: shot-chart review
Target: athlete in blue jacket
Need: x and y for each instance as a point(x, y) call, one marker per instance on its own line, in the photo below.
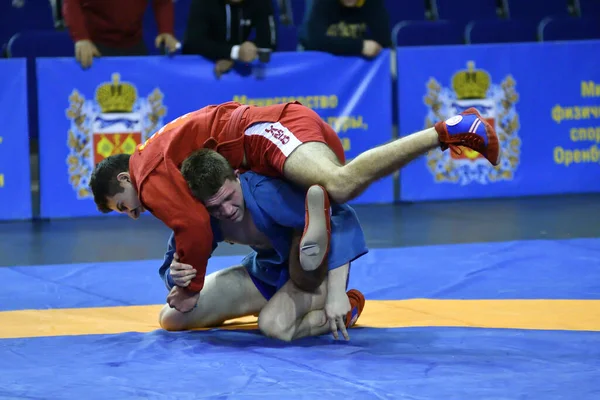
point(268, 214)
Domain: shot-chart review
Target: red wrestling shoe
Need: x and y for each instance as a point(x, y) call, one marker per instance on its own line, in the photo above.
point(357, 304)
point(469, 129)
point(314, 245)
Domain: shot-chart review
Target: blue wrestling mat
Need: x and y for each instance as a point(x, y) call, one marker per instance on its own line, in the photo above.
point(515, 320)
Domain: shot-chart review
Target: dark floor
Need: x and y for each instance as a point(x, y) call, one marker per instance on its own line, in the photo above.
point(117, 239)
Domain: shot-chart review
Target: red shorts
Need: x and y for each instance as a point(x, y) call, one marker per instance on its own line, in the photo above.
point(268, 144)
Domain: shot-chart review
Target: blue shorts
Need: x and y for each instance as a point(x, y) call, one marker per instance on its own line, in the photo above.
point(259, 278)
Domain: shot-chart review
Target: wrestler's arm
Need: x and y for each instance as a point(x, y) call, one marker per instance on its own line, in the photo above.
point(167, 266)
point(188, 219)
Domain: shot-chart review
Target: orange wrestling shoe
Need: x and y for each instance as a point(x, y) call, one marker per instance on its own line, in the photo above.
point(314, 245)
point(469, 129)
point(357, 304)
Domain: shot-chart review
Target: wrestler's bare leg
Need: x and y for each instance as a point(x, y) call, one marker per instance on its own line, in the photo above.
point(228, 293)
point(315, 163)
point(293, 314)
point(284, 315)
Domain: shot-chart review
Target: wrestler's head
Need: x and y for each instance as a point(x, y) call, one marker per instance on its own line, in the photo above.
point(112, 187)
point(213, 182)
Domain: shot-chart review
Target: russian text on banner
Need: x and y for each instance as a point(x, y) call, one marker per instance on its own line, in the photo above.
point(86, 116)
point(15, 179)
point(543, 98)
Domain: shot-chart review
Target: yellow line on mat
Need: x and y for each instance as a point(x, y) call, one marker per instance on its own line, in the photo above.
point(517, 314)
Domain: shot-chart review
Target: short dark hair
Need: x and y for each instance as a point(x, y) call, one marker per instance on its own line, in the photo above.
point(104, 183)
point(205, 171)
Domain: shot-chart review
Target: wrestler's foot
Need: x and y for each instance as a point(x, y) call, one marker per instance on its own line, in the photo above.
point(357, 303)
point(314, 245)
point(469, 129)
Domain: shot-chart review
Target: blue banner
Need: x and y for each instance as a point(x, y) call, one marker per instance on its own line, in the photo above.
point(543, 98)
point(351, 94)
point(15, 179)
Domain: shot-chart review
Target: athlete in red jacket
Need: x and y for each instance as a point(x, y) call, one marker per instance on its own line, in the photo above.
point(287, 140)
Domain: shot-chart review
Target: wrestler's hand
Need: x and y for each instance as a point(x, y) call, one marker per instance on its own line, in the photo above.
point(337, 307)
point(182, 274)
point(182, 299)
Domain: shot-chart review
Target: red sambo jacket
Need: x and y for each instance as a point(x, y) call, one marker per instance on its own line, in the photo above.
point(155, 172)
